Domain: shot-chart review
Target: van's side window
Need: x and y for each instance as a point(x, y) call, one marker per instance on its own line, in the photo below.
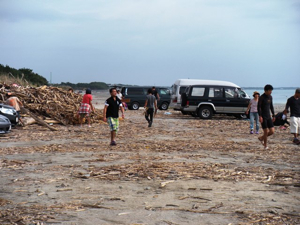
point(135, 91)
point(198, 91)
point(164, 92)
point(215, 92)
point(231, 93)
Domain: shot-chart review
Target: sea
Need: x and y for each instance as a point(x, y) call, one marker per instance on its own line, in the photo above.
point(280, 95)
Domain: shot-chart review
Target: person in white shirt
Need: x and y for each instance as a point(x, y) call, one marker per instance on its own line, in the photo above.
point(119, 94)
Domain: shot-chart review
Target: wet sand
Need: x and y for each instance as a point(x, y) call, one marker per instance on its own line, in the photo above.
point(183, 170)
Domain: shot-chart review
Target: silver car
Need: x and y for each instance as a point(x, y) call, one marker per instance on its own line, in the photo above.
point(5, 125)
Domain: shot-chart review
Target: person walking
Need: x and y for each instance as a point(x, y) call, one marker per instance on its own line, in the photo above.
point(156, 95)
point(265, 104)
point(86, 107)
point(150, 106)
point(252, 107)
point(294, 104)
point(111, 114)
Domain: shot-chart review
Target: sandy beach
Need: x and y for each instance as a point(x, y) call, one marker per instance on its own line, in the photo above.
point(183, 170)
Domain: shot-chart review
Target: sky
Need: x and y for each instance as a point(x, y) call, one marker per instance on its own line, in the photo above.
point(154, 42)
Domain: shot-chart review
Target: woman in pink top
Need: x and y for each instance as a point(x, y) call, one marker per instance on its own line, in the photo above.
point(253, 112)
point(86, 107)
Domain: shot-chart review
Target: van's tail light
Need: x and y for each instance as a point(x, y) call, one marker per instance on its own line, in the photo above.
point(126, 100)
point(187, 103)
point(175, 100)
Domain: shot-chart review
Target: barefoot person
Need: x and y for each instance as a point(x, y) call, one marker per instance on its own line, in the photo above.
point(86, 107)
point(111, 114)
point(150, 105)
point(265, 104)
point(294, 104)
point(252, 107)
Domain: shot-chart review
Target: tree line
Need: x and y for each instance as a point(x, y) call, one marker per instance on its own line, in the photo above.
point(23, 73)
point(92, 85)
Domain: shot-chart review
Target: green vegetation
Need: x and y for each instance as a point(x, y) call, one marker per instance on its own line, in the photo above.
point(78, 86)
point(21, 75)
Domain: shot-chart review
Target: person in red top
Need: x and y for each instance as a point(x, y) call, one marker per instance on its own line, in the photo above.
point(86, 107)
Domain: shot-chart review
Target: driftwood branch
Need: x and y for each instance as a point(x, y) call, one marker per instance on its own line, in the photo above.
point(38, 120)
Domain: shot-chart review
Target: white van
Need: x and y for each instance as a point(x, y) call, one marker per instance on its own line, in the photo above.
point(181, 84)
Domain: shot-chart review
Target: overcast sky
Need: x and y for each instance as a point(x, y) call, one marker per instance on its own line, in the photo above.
point(154, 42)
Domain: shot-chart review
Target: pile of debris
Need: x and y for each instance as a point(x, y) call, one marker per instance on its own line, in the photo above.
point(51, 104)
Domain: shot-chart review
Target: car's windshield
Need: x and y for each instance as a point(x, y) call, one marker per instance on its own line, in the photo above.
point(242, 93)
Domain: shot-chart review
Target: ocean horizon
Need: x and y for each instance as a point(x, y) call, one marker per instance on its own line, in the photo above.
point(279, 94)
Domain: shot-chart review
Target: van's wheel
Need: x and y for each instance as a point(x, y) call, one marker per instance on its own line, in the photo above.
point(205, 112)
point(164, 106)
point(135, 105)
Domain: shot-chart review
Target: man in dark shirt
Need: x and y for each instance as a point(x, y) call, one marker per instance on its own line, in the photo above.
point(150, 106)
point(294, 104)
point(265, 104)
point(111, 114)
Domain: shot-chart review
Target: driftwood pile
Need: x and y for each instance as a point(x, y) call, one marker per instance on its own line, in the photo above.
point(50, 104)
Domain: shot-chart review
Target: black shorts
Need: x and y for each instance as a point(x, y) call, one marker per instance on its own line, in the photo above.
point(267, 123)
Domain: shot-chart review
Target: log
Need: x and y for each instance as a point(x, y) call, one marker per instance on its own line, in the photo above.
point(38, 120)
point(28, 121)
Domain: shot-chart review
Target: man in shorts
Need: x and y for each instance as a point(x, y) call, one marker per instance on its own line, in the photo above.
point(265, 104)
point(150, 106)
point(111, 114)
point(294, 104)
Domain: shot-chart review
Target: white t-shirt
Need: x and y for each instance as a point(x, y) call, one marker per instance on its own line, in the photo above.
point(120, 96)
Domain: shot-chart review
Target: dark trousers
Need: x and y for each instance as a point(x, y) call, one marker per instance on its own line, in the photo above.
point(149, 112)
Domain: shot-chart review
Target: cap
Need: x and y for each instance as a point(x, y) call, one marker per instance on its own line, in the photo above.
point(298, 90)
point(255, 93)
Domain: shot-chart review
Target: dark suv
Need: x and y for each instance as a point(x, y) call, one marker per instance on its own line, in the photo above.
point(9, 112)
point(135, 97)
point(206, 100)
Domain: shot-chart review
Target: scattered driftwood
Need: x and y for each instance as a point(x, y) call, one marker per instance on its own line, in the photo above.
point(53, 103)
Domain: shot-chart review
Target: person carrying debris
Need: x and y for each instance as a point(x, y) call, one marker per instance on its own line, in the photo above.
point(86, 107)
point(111, 114)
point(16, 103)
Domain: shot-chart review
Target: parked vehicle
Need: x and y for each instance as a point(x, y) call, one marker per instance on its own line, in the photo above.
point(9, 112)
point(179, 87)
point(218, 97)
point(5, 125)
point(135, 97)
